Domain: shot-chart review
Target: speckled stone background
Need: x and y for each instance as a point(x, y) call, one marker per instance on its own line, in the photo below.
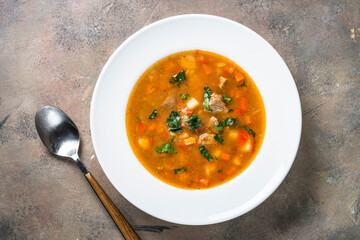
point(51, 52)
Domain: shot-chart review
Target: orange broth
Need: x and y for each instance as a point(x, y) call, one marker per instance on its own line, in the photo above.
point(202, 138)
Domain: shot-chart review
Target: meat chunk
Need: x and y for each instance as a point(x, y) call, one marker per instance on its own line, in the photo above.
point(206, 138)
point(222, 81)
point(184, 117)
point(216, 103)
point(213, 121)
point(169, 101)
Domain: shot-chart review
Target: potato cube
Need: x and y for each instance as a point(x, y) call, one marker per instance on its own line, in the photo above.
point(192, 103)
point(144, 143)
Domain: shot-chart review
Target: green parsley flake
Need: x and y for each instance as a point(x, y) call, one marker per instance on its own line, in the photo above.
point(206, 154)
point(194, 122)
point(179, 170)
point(207, 95)
point(173, 122)
point(153, 114)
point(226, 98)
point(249, 130)
point(166, 148)
point(184, 96)
point(178, 78)
point(219, 139)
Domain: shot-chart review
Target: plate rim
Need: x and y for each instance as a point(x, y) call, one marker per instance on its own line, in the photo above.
point(162, 21)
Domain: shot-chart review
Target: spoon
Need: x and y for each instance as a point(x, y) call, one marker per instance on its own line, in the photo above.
point(61, 136)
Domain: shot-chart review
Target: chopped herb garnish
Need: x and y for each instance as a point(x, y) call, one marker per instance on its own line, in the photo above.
point(175, 130)
point(231, 110)
point(219, 171)
point(216, 158)
point(249, 130)
point(173, 122)
point(172, 138)
point(229, 121)
point(207, 95)
point(153, 114)
point(179, 170)
point(219, 139)
point(226, 98)
point(243, 84)
point(178, 78)
point(220, 126)
point(206, 154)
point(166, 148)
point(194, 122)
point(137, 118)
point(184, 96)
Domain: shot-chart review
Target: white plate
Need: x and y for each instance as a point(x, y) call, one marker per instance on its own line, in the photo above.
point(256, 57)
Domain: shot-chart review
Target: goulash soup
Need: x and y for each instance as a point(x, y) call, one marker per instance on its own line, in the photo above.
point(195, 120)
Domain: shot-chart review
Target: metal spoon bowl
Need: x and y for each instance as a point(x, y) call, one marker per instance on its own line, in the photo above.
point(61, 136)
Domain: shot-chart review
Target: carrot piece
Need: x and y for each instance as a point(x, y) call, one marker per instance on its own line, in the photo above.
point(247, 120)
point(189, 111)
point(239, 112)
point(141, 127)
point(206, 68)
point(183, 147)
point(229, 69)
point(231, 170)
point(151, 141)
point(225, 156)
point(244, 103)
point(204, 182)
point(225, 74)
point(241, 138)
point(239, 77)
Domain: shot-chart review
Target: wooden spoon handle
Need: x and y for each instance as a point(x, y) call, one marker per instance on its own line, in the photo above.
point(118, 218)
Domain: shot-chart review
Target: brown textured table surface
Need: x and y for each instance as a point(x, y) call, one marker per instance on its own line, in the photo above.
point(51, 52)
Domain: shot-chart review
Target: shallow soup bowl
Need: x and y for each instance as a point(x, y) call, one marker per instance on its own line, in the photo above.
point(241, 45)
